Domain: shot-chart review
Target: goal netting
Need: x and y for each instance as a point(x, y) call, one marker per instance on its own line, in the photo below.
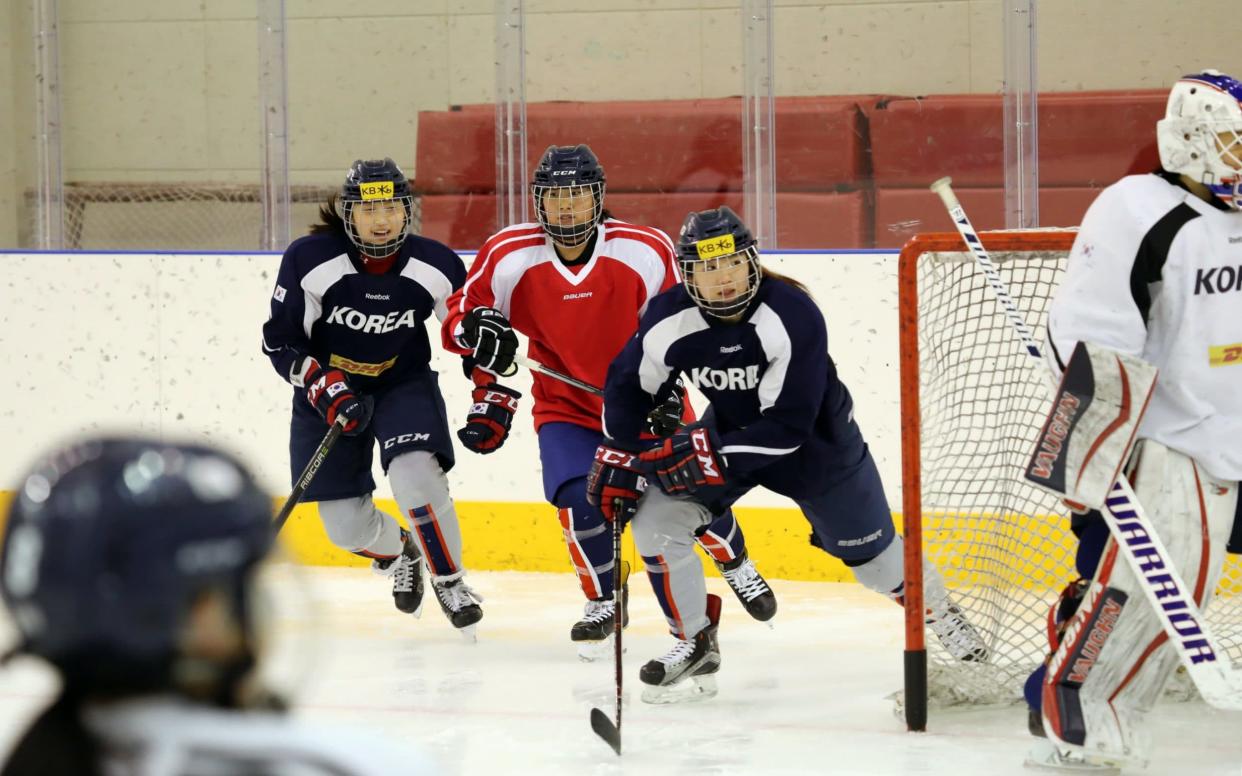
point(975, 405)
point(180, 216)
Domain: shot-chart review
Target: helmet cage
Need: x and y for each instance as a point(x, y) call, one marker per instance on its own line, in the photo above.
point(583, 219)
point(376, 250)
point(714, 299)
point(1201, 133)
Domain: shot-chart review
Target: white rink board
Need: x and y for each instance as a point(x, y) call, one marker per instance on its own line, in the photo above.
point(170, 344)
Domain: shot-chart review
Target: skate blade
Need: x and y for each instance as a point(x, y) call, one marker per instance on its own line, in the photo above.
point(469, 633)
point(693, 690)
point(591, 651)
point(1046, 757)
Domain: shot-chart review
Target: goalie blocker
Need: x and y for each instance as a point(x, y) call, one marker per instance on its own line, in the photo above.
point(1108, 667)
point(1090, 431)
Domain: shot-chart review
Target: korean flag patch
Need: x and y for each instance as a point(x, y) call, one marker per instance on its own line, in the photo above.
point(279, 294)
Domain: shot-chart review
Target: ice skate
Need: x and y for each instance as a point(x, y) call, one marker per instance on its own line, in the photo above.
point(459, 602)
point(749, 587)
point(406, 571)
point(687, 671)
point(594, 633)
point(956, 633)
point(1044, 755)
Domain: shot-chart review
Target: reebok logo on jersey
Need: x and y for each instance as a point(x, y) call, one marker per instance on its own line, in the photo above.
point(377, 297)
point(371, 324)
point(1218, 280)
point(735, 378)
point(582, 295)
point(730, 348)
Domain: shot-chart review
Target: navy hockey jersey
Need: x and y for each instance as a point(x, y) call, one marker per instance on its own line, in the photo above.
point(784, 418)
point(369, 326)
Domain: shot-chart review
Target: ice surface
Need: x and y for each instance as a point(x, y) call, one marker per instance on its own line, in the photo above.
point(805, 697)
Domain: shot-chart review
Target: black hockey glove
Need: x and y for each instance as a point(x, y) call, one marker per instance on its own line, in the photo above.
point(488, 333)
point(329, 393)
point(615, 482)
point(491, 414)
point(687, 463)
point(665, 419)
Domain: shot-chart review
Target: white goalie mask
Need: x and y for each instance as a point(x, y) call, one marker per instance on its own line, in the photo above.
point(1201, 133)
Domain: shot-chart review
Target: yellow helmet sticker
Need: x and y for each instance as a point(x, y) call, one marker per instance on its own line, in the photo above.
point(715, 247)
point(376, 190)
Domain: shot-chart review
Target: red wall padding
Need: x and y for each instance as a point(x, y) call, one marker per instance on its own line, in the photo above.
point(1085, 138)
point(651, 146)
point(804, 220)
point(851, 171)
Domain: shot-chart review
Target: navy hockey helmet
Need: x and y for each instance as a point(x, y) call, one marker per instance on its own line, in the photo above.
point(710, 243)
point(564, 178)
point(110, 541)
point(1201, 133)
point(374, 184)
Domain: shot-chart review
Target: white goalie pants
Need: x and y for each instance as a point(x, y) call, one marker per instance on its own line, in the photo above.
point(1115, 657)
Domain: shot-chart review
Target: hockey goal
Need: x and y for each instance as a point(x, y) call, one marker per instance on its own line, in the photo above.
point(971, 408)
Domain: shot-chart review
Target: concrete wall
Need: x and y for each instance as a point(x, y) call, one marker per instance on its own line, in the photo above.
point(167, 90)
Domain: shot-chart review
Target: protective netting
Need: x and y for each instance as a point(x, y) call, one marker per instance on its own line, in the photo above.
point(186, 216)
point(1003, 546)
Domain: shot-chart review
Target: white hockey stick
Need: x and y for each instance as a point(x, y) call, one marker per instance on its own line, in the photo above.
point(1162, 585)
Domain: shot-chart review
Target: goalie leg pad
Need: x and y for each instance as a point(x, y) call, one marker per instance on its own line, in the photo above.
point(1109, 668)
point(664, 529)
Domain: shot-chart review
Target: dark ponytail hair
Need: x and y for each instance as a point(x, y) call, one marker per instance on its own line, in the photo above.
point(330, 219)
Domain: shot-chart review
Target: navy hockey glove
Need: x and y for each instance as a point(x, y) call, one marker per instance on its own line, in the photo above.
point(491, 414)
point(686, 463)
point(665, 419)
point(487, 332)
point(615, 483)
point(330, 394)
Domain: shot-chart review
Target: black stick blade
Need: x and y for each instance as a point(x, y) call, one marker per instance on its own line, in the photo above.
point(604, 728)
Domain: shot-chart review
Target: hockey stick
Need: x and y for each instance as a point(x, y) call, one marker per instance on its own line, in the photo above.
point(1180, 617)
point(535, 366)
point(308, 473)
point(605, 728)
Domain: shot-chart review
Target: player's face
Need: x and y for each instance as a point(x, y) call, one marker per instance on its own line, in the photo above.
point(569, 205)
point(721, 280)
point(380, 221)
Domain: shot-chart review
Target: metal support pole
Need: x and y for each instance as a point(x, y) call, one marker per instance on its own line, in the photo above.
point(512, 177)
point(759, 121)
point(50, 205)
point(1021, 115)
point(274, 101)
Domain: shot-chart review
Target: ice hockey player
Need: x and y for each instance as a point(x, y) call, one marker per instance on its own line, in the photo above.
point(347, 330)
point(1156, 273)
point(755, 343)
point(130, 566)
point(575, 284)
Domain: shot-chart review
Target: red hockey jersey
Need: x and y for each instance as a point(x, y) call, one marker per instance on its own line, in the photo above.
point(576, 319)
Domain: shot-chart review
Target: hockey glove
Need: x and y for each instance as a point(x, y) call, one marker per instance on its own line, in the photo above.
point(490, 416)
point(487, 332)
point(329, 393)
point(665, 419)
point(686, 463)
point(615, 483)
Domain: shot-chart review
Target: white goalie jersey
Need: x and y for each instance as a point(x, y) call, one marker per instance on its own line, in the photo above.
point(1156, 272)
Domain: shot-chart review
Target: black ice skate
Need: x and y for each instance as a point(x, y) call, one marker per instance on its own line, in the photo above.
point(459, 602)
point(406, 571)
point(687, 671)
point(595, 631)
point(749, 587)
